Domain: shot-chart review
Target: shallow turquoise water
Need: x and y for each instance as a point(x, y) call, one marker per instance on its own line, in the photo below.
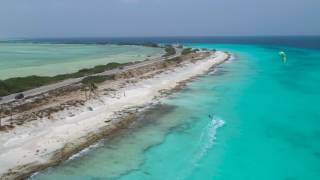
point(22, 59)
point(271, 131)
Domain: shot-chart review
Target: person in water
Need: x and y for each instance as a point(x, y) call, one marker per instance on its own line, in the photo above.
point(283, 56)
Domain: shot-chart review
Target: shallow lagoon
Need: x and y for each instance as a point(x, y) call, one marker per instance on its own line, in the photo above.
point(23, 59)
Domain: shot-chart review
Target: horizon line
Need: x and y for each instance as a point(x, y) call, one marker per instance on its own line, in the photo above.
point(133, 37)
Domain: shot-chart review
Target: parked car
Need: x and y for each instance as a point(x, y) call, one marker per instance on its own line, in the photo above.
point(19, 96)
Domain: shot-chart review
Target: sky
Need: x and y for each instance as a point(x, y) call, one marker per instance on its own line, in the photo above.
point(141, 18)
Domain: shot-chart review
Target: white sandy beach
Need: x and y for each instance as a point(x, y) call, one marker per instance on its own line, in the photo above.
point(37, 141)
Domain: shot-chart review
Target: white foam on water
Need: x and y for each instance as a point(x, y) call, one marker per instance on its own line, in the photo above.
point(213, 71)
point(232, 57)
point(74, 156)
point(207, 139)
point(84, 151)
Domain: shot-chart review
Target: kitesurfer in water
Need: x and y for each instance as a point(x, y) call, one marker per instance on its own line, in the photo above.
point(283, 56)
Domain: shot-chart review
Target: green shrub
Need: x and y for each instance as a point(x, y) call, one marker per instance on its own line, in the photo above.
point(174, 60)
point(19, 84)
point(188, 51)
point(170, 50)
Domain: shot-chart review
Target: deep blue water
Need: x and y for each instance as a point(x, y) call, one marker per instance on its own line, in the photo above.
point(292, 41)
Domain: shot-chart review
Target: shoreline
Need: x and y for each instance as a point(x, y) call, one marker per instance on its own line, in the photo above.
point(91, 126)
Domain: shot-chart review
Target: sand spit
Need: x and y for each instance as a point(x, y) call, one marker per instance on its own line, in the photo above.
point(49, 141)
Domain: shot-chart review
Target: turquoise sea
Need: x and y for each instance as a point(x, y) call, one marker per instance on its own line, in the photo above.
point(264, 124)
point(28, 58)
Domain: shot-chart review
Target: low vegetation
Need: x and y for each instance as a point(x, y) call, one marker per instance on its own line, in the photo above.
point(174, 60)
point(19, 84)
point(187, 51)
point(149, 44)
point(170, 50)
